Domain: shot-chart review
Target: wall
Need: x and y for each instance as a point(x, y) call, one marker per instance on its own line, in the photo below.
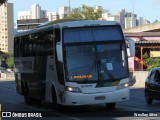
point(139, 78)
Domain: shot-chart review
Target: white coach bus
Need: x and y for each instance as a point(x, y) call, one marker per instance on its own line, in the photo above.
point(73, 62)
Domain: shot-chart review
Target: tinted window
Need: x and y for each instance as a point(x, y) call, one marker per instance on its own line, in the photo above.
point(16, 46)
point(37, 44)
point(92, 34)
point(152, 76)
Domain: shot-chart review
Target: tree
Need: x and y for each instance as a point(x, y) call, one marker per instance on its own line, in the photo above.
point(3, 1)
point(9, 60)
point(85, 12)
point(151, 62)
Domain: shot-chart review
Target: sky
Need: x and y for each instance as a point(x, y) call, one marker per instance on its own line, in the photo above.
point(148, 9)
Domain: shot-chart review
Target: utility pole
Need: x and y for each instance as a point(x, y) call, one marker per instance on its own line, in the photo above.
point(133, 6)
point(133, 14)
point(69, 7)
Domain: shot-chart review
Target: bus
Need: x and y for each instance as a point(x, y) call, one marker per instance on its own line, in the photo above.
point(73, 63)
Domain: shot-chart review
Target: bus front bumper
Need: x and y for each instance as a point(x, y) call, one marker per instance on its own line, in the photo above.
point(72, 98)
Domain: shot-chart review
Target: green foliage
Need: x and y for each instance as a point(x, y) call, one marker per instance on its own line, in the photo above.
point(3, 1)
point(85, 12)
point(151, 62)
point(76, 13)
point(9, 59)
point(10, 62)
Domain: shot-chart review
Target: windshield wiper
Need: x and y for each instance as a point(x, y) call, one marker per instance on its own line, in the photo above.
point(94, 64)
point(101, 65)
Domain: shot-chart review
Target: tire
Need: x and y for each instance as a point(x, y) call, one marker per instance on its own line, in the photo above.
point(54, 99)
point(54, 96)
point(38, 102)
point(149, 100)
point(28, 100)
point(110, 105)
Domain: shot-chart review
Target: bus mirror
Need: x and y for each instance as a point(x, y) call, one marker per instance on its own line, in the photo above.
point(59, 52)
point(130, 47)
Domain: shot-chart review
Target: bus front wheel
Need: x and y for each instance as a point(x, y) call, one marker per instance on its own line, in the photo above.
point(54, 99)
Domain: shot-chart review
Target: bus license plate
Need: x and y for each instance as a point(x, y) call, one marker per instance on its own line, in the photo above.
point(100, 98)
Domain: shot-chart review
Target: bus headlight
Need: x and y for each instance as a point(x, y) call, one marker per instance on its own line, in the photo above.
point(73, 89)
point(124, 85)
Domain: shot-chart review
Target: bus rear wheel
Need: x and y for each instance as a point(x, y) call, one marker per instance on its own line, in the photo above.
point(110, 105)
point(27, 98)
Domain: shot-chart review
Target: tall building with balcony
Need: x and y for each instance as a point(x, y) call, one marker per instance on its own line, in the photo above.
point(130, 20)
point(6, 27)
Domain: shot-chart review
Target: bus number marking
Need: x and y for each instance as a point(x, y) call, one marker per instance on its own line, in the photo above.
point(82, 76)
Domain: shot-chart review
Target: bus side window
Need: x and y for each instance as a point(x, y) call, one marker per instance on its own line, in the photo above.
point(49, 43)
point(16, 47)
point(57, 35)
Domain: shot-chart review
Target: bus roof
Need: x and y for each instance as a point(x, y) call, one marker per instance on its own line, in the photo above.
point(78, 22)
point(68, 23)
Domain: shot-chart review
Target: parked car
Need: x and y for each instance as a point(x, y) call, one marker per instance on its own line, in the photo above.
point(152, 85)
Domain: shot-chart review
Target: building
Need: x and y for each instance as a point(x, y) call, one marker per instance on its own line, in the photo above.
point(63, 12)
point(6, 27)
point(32, 18)
point(24, 25)
point(107, 16)
point(121, 15)
point(34, 13)
point(35, 16)
point(130, 20)
point(60, 14)
point(52, 16)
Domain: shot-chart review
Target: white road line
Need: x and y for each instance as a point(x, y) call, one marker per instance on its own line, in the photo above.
point(132, 108)
point(8, 88)
point(37, 109)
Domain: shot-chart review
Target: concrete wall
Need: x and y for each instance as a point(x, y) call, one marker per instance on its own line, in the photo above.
point(147, 27)
point(138, 78)
point(7, 76)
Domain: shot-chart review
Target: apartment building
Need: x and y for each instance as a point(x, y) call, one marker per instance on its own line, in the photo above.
point(35, 16)
point(130, 20)
point(6, 27)
point(34, 13)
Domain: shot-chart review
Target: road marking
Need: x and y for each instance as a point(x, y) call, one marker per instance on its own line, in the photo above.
point(8, 88)
point(41, 110)
point(132, 108)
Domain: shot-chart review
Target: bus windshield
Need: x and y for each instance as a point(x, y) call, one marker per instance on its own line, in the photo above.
point(76, 35)
point(93, 62)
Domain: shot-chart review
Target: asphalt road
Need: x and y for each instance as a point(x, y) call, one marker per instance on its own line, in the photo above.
point(12, 102)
